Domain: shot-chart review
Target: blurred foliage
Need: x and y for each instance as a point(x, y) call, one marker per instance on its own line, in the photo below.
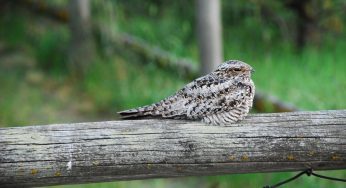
point(129, 90)
point(51, 51)
point(36, 87)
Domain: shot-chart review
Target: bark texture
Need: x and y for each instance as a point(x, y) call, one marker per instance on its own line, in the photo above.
point(138, 149)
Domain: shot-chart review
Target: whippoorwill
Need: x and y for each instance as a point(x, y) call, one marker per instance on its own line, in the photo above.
point(222, 97)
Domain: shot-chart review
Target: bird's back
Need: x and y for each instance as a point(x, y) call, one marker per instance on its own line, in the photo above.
point(215, 98)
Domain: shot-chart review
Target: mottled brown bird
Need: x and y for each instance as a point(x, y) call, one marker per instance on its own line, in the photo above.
point(222, 97)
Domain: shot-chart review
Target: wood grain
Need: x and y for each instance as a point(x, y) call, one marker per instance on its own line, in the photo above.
point(138, 149)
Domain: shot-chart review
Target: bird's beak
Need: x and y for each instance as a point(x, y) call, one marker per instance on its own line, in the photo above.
point(252, 70)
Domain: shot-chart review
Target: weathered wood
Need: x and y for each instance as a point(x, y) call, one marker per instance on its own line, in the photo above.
point(127, 150)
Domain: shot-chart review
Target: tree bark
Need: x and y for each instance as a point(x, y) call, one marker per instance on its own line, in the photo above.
point(81, 46)
point(307, 22)
point(138, 149)
point(209, 31)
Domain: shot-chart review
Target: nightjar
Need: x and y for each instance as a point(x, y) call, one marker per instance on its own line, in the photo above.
point(222, 97)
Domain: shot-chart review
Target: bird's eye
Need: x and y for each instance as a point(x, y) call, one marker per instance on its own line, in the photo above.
point(237, 69)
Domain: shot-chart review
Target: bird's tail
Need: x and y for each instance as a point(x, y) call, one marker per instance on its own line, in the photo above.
point(138, 113)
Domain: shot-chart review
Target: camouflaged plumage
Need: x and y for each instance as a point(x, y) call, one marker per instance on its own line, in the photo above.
point(221, 97)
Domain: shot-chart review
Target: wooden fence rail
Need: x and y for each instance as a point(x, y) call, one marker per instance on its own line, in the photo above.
point(139, 149)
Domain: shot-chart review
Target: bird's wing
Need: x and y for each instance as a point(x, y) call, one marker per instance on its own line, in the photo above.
point(202, 97)
point(178, 104)
point(212, 96)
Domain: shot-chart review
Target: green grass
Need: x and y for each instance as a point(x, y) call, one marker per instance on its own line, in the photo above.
point(260, 180)
point(113, 87)
point(313, 80)
point(225, 181)
point(31, 98)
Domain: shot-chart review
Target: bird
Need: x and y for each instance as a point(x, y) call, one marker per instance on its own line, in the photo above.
point(221, 97)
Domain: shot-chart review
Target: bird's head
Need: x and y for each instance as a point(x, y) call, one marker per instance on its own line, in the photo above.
point(234, 68)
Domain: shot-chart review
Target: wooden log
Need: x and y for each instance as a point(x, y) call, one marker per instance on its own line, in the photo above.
point(138, 149)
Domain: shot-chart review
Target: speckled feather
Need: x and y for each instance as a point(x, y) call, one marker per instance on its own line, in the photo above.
point(222, 97)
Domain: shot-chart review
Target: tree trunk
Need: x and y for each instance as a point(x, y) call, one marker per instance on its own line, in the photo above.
point(81, 50)
point(209, 31)
point(307, 22)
